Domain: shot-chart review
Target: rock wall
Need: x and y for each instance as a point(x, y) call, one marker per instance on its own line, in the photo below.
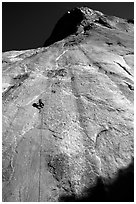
point(68, 112)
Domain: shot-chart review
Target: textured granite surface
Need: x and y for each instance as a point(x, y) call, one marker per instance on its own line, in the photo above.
point(68, 112)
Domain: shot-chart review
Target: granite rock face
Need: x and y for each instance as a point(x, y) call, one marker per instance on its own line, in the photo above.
point(68, 112)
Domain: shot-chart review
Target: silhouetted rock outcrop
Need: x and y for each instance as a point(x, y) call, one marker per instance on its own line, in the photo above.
point(66, 26)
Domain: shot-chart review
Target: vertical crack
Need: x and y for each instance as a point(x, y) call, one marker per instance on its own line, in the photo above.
point(80, 107)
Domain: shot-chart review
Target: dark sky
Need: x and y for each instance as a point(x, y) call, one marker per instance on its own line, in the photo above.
point(27, 25)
